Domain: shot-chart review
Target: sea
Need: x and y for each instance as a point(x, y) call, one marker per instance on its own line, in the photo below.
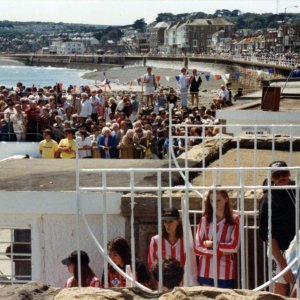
point(12, 72)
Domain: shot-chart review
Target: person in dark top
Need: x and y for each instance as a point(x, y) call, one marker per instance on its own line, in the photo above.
point(172, 273)
point(195, 81)
point(282, 222)
point(172, 98)
point(296, 72)
point(119, 252)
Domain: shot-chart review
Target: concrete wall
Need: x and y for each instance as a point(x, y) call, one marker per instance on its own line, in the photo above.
point(247, 118)
point(15, 148)
point(52, 219)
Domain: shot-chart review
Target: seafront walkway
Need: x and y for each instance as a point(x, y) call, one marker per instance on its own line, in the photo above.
point(262, 61)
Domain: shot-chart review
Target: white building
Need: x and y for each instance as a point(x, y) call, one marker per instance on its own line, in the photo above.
point(68, 47)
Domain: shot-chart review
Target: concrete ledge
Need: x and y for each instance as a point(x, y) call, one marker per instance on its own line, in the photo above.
point(41, 291)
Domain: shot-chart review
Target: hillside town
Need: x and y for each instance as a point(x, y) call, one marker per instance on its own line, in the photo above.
point(197, 33)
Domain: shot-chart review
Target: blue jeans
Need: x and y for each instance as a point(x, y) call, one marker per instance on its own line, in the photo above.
point(184, 97)
point(225, 284)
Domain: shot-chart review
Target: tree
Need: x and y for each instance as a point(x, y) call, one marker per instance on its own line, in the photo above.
point(139, 24)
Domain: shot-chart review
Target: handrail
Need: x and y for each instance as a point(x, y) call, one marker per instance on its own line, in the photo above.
point(269, 282)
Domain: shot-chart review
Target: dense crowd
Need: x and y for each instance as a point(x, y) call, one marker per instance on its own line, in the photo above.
point(108, 124)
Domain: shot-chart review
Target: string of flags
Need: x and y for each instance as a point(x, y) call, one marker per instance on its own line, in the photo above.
point(208, 76)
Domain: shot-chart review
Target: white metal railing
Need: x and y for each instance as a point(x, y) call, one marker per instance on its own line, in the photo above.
point(248, 178)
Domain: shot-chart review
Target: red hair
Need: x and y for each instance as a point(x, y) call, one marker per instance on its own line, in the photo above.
point(228, 212)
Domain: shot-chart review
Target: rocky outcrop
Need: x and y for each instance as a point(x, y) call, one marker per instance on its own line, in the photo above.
point(40, 291)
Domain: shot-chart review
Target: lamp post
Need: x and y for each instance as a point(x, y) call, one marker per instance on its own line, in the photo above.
point(295, 6)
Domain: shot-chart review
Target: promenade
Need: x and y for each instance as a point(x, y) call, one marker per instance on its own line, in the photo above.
point(280, 63)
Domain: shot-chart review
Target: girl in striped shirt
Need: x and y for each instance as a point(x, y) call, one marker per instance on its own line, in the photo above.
point(172, 238)
point(228, 241)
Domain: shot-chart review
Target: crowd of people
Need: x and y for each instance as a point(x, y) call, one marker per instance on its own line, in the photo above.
point(108, 124)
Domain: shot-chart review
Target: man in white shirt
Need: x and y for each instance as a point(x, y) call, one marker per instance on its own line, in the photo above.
point(184, 84)
point(149, 84)
point(95, 105)
point(86, 106)
point(222, 98)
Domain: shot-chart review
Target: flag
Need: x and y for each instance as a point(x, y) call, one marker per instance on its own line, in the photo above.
point(117, 82)
point(177, 78)
point(259, 72)
point(237, 75)
point(270, 70)
point(207, 77)
point(108, 84)
point(168, 78)
point(227, 76)
point(157, 78)
point(218, 76)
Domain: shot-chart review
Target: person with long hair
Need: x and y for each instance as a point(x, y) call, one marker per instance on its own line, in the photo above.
point(172, 244)
point(119, 251)
point(88, 277)
point(228, 241)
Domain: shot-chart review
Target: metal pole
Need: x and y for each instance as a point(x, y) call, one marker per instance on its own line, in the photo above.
point(133, 260)
point(215, 258)
point(78, 212)
point(159, 209)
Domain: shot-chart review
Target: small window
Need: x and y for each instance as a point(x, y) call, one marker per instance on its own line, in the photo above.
point(15, 255)
point(195, 43)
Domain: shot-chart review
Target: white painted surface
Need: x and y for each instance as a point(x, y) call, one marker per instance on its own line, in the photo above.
point(15, 148)
point(248, 118)
point(57, 202)
point(50, 215)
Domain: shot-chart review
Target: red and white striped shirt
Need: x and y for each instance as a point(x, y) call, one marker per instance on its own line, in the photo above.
point(228, 241)
point(175, 251)
point(91, 282)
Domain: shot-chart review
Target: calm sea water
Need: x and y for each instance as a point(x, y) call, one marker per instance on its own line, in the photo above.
point(41, 76)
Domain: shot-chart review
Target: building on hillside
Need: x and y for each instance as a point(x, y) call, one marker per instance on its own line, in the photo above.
point(66, 47)
point(195, 36)
point(220, 43)
point(289, 38)
point(172, 38)
point(157, 36)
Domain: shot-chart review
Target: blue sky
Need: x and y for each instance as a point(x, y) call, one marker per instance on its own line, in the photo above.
point(121, 12)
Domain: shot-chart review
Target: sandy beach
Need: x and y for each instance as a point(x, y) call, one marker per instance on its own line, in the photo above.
point(130, 74)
